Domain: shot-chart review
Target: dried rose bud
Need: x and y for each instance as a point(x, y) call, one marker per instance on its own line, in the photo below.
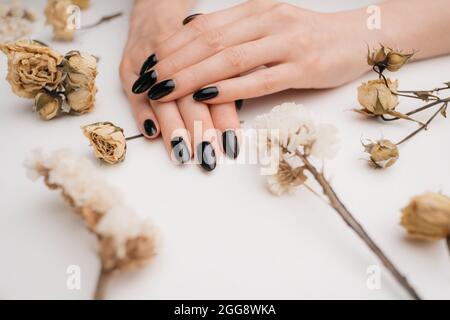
point(81, 69)
point(427, 216)
point(376, 98)
point(47, 106)
point(395, 60)
point(32, 67)
point(377, 58)
point(57, 13)
point(107, 140)
point(82, 100)
point(383, 153)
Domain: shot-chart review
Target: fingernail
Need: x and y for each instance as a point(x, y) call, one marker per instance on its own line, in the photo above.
point(206, 156)
point(148, 64)
point(144, 82)
point(180, 150)
point(206, 94)
point(161, 89)
point(239, 104)
point(230, 144)
point(190, 18)
point(150, 128)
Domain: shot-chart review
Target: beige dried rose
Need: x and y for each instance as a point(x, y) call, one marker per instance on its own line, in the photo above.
point(81, 68)
point(387, 58)
point(82, 100)
point(32, 67)
point(376, 98)
point(383, 153)
point(427, 216)
point(47, 106)
point(83, 4)
point(107, 140)
point(58, 15)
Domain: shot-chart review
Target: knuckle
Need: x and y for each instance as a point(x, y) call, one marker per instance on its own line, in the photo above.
point(168, 67)
point(200, 24)
point(261, 3)
point(267, 82)
point(236, 57)
point(186, 79)
point(284, 10)
point(214, 39)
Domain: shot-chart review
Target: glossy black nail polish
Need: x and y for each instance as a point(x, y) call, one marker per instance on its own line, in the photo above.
point(230, 144)
point(206, 156)
point(239, 104)
point(190, 18)
point(180, 150)
point(161, 89)
point(150, 128)
point(144, 82)
point(148, 64)
point(206, 94)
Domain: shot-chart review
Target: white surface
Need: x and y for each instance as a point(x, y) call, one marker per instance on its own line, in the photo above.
point(223, 235)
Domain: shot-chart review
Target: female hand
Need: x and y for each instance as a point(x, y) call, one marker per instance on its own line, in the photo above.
point(187, 127)
point(276, 46)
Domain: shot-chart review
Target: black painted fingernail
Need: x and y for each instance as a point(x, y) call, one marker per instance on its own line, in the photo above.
point(150, 128)
point(206, 93)
point(144, 82)
point(148, 64)
point(161, 89)
point(230, 144)
point(206, 156)
point(190, 18)
point(180, 150)
point(239, 104)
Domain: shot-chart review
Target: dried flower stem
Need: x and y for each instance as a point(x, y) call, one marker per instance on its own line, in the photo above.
point(348, 218)
point(102, 20)
point(134, 137)
point(102, 284)
point(424, 126)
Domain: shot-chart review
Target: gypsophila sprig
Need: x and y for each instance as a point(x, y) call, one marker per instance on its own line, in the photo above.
point(126, 241)
point(16, 21)
point(58, 84)
point(380, 98)
point(298, 141)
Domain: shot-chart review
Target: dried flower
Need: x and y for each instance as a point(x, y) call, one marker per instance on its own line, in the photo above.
point(15, 22)
point(286, 178)
point(82, 4)
point(47, 106)
point(427, 216)
point(32, 67)
point(376, 98)
point(126, 240)
point(290, 127)
point(383, 153)
point(107, 140)
point(57, 13)
point(387, 58)
point(82, 100)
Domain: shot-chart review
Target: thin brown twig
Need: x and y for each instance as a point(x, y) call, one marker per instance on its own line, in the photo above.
point(348, 218)
point(427, 106)
point(102, 20)
point(134, 137)
point(102, 284)
point(425, 125)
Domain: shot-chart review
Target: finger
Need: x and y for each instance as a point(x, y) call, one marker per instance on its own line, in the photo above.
point(226, 120)
point(141, 109)
point(256, 84)
point(175, 136)
point(206, 45)
point(226, 64)
point(205, 22)
point(204, 139)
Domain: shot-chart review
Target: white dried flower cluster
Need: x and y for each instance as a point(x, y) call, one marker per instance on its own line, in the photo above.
point(126, 239)
point(290, 129)
point(15, 22)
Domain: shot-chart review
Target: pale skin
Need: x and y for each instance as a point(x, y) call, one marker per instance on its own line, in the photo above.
point(258, 48)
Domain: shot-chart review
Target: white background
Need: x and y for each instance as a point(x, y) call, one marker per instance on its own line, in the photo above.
point(222, 234)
